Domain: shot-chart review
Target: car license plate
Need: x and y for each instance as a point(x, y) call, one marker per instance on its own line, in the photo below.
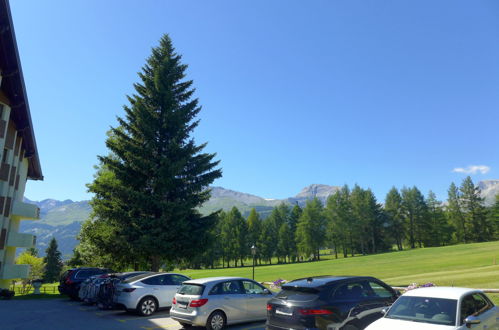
point(283, 311)
point(182, 304)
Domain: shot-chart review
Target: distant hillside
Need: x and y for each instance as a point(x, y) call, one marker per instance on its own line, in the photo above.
point(64, 234)
point(55, 213)
point(226, 199)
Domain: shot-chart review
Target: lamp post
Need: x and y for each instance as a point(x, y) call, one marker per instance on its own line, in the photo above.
point(253, 252)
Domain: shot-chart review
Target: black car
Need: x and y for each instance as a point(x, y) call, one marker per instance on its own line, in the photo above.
point(71, 279)
point(329, 302)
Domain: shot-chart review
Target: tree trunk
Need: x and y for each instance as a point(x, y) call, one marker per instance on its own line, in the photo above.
point(155, 263)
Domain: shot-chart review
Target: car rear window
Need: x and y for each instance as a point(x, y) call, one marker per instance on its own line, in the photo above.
point(191, 289)
point(83, 274)
point(298, 294)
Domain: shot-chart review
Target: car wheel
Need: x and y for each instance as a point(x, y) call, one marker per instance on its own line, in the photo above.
point(216, 321)
point(147, 306)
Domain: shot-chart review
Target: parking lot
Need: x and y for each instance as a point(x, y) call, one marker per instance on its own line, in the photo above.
point(53, 314)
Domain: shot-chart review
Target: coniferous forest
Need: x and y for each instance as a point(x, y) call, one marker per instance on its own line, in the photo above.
point(353, 222)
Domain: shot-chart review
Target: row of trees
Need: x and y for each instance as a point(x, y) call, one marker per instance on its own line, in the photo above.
point(352, 222)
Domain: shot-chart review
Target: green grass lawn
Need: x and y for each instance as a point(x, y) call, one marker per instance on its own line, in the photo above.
point(467, 265)
point(48, 290)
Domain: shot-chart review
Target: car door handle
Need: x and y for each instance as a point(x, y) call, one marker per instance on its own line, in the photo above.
point(155, 289)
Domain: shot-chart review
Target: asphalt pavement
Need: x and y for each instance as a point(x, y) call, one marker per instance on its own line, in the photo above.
point(63, 314)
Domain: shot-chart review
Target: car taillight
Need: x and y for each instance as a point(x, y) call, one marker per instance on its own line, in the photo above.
point(68, 277)
point(128, 289)
point(198, 302)
point(174, 301)
point(269, 307)
point(315, 312)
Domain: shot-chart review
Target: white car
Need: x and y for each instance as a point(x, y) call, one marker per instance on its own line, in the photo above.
point(440, 308)
point(148, 292)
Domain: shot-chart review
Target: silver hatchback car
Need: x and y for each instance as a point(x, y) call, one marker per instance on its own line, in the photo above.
point(218, 301)
point(148, 292)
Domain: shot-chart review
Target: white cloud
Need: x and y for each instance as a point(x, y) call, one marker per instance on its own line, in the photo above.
point(472, 169)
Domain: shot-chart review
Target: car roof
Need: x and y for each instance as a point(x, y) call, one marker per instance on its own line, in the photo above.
point(440, 292)
point(318, 281)
point(146, 275)
point(214, 279)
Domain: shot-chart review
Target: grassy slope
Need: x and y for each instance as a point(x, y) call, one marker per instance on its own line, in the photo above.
point(469, 265)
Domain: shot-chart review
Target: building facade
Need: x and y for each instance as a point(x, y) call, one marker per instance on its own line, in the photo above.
point(19, 154)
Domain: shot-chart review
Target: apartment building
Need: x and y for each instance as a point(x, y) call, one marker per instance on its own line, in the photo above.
point(19, 154)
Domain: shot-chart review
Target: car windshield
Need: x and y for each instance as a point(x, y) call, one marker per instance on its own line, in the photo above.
point(191, 289)
point(424, 309)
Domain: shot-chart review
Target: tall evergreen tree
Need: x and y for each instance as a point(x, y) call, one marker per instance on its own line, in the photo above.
point(53, 262)
point(475, 214)
point(311, 229)
point(455, 213)
point(338, 213)
point(440, 231)
point(415, 210)
point(254, 227)
point(268, 242)
point(494, 217)
point(160, 174)
point(395, 217)
point(277, 217)
point(284, 244)
point(294, 216)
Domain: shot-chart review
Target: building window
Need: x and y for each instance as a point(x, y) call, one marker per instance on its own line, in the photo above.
point(5, 155)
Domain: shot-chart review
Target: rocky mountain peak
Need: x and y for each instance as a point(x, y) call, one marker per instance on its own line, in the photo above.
point(317, 190)
point(489, 190)
point(488, 184)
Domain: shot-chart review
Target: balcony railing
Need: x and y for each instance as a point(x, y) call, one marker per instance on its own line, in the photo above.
point(25, 211)
point(20, 240)
point(14, 271)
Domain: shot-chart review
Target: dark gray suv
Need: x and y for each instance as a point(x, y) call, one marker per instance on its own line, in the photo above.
point(329, 302)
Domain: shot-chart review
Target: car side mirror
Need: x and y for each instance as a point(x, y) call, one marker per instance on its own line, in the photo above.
point(266, 291)
point(470, 320)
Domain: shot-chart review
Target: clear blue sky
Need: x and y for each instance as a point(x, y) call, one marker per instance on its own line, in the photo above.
point(378, 93)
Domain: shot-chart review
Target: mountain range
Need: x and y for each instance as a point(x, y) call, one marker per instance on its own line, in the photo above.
point(63, 219)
